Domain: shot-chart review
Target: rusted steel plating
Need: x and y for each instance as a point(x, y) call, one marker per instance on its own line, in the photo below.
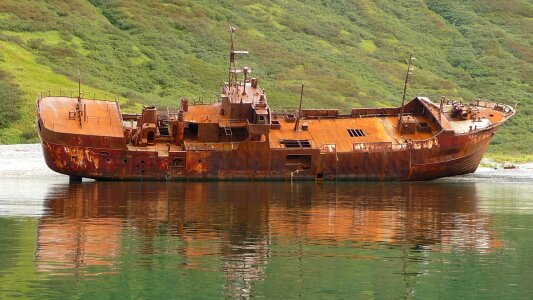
point(239, 137)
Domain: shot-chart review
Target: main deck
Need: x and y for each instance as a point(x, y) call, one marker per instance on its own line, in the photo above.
point(346, 131)
point(104, 119)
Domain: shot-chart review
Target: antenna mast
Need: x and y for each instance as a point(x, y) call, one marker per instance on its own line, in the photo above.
point(407, 76)
point(297, 123)
point(79, 85)
point(232, 75)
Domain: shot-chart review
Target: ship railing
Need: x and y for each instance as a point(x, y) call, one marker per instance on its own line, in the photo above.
point(99, 120)
point(232, 122)
point(102, 119)
point(485, 104)
point(284, 111)
point(74, 94)
point(500, 106)
point(201, 101)
point(216, 119)
point(400, 147)
point(372, 147)
point(328, 148)
point(355, 113)
point(226, 146)
point(390, 147)
point(202, 118)
point(51, 125)
point(169, 112)
point(374, 112)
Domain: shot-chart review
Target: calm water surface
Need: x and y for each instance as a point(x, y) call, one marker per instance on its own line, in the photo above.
point(445, 239)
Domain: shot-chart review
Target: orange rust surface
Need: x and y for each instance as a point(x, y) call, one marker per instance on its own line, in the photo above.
point(162, 149)
point(103, 117)
point(204, 113)
point(255, 151)
point(235, 139)
point(210, 113)
point(335, 131)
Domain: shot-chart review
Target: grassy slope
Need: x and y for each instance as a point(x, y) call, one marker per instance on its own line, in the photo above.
point(348, 53)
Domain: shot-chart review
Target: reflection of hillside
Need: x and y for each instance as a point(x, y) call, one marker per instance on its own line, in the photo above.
point(86, 224)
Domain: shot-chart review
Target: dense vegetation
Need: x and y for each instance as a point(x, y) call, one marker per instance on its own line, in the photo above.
point(11, 100)
point(348, 53)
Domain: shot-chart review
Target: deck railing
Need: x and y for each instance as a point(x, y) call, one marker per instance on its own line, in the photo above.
point(226, 146)
point(74, 94)
point(390, 147)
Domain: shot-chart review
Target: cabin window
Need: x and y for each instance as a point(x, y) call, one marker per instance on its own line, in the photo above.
point(356, 132)
point(295, 143)
point(262, 119)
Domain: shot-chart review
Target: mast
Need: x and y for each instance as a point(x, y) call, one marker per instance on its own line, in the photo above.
point(232, 76)
point(299, 109)
point(407, 76)
point(79, 85)
point(231, 58)
point(79, 112)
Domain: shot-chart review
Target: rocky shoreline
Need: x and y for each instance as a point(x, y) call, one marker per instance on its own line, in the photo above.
point(26, 161)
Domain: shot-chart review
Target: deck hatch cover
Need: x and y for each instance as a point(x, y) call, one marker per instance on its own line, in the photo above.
point(295, 143)
point(356, 132)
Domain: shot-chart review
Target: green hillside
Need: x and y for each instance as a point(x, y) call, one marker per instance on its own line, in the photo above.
point(348, 53)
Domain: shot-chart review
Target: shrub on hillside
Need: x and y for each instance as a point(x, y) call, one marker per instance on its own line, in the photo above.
point(10, 100)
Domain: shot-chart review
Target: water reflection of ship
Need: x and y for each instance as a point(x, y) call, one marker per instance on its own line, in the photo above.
point(415, 213)
point(84, 224)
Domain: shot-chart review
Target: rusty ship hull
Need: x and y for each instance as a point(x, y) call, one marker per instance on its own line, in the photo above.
point(323, 151)
point(239, 137)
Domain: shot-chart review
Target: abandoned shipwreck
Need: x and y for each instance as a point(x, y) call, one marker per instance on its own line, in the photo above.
point(240, 137)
